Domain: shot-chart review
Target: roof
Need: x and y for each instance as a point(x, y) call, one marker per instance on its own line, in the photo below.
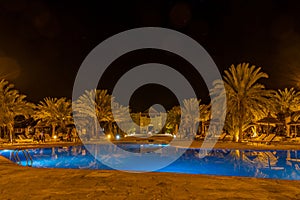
point(269, 120)
point(41, 124)
point(294, 122)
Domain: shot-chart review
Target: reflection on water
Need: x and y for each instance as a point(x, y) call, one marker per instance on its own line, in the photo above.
point(264, 164)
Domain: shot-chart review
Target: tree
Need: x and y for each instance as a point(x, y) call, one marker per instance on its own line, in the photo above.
point(173, 118)
point(119, 115)
point(191, 115)
point(12, 103)
point(246, 98)
point(205, 114)
point(287, 102)
point(94, 105)
point(54, 112)
point(97, 105)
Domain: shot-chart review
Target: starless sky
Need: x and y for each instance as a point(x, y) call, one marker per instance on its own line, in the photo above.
point(43, 43)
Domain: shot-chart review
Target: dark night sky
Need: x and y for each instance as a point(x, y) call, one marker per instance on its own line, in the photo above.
point(43, 43)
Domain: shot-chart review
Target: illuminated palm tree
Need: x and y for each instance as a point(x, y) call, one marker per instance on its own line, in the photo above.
point(97, 105)
point(287, 102)
point(191, 115)
point(119, 115)
point(54, 112)
point(94, 105)
point(231, 126)
point(246, 98)
point(205, 114)
point(12, 103)
point(173, 118)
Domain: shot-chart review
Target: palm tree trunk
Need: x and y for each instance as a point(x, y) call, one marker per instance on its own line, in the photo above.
point(202, 128)
point(286, 121)
point(240, 124)
point(10, 129)
point(96, 127)
point(241, 120)
point(176, 129)
point(10, 136)
point(240, 132)
point(109, 127)
point(53, 130)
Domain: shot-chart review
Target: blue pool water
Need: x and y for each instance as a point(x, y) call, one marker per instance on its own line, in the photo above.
point(280, 164)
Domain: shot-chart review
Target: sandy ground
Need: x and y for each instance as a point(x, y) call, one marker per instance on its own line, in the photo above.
point(18, 182)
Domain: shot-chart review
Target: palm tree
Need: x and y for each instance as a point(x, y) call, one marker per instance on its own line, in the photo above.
point(97, 105)
point(205, 114)
point(231, 126)
point(287, 102)
point(94, 105)
point(12, 103)
point(173, 118)
point(119, 115)
point(246, 98)
point(54, 112)
point(191, 115)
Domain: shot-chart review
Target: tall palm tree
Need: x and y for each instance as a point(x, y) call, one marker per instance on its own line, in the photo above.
point(97, 105)
point(231, 126)
point(173, 118)
point(94, 105)
point(12, 103)
point(54, 112)
point(205, 114)
point(119, 115)
point(192, 116)
point(246, 98)
point(287, 102)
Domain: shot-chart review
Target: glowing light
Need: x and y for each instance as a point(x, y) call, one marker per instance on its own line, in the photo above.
point(254, 132)
point(117, 137)
point(108, 136)
point(237, 138)
point(55, 137)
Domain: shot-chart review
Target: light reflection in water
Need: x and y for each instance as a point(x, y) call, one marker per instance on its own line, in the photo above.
point(264, 164)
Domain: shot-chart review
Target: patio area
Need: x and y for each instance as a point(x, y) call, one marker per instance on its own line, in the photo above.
point(29, 183)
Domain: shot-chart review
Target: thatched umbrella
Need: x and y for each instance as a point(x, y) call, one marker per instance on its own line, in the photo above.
point(269, 120)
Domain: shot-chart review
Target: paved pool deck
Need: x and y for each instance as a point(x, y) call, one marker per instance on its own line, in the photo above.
point(18, 182)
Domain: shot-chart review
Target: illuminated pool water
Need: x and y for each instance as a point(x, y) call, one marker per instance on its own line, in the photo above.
point(280, 164)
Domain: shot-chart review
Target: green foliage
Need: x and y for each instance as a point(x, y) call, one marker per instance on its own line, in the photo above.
point(287, 103)
point(246, 98)
point(96, 106)
point(173, 117)
point(54, 112)
point(247, 101)
point(191, 116)
point(12, 103)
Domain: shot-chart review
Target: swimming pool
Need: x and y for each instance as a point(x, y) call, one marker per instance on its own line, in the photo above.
point(279, 164)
